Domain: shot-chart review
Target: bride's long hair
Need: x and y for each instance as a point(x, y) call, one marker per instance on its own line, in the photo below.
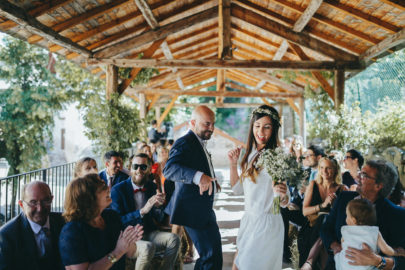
point(248, 169)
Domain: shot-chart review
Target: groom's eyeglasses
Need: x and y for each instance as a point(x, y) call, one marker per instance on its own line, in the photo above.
point(142, 166)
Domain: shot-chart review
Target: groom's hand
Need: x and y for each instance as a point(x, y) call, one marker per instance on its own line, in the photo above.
point(205, 184)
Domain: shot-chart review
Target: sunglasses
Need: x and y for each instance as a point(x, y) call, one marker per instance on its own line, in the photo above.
point(142, 166)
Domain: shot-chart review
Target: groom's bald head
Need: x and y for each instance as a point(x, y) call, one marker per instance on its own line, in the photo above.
point(202, 122)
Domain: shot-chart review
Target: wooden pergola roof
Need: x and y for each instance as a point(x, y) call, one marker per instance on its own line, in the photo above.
point(228, 43)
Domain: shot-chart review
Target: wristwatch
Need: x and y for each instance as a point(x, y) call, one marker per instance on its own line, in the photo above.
point(111, 258)
point(382, 264)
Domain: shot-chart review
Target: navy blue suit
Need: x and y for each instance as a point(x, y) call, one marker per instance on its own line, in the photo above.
point(18, 249)
point(123, 202)
point(187, 207)
point(118, 178)
point(390, 221)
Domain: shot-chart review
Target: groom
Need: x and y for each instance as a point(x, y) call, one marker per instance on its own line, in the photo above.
point(190, 167)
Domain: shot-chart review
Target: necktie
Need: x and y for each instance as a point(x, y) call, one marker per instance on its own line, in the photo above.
point(139, 189)
point(45, 242)
point(110, 182)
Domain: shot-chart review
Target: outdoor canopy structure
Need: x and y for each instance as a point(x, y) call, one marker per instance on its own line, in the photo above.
point(232, 44)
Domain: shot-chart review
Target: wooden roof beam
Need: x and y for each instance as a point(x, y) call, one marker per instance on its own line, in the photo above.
point(386, 44)
point(302, 38)
point(153, 35)
point(306, 16)
point(178, 92)
point(275, 81)
point(17, 14)
point(224, 42)
point(231, 64)
point(324, 83)
point(153, 23)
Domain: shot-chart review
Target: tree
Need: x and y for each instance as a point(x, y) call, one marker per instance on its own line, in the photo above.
point(28, 104)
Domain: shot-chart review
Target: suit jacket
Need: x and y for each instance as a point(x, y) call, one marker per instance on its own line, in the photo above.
point(18, 249)
point(390, 221)
point(118, 178)
point(123, 202)
point(187, 207)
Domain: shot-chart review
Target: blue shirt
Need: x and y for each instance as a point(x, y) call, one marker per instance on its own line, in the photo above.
point(79, 242)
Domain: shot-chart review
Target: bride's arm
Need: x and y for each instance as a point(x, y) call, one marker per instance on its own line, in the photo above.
point(233, 156)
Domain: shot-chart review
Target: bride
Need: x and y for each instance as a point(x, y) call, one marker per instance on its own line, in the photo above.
point(261, 234)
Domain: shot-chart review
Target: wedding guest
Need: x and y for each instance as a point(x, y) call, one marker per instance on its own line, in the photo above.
point(296, 148)
point(398, 195)
point(261, 233)
point(377, 179)
point(361, 219)
point(138, 201)
point(312, 156)
point(353, 161)
point(112, 173)
point(30, 240)
point(190, 167)
point(92, 237)
point(318, 200)
point(153, 133)
point(147, 150)
point(86, 165)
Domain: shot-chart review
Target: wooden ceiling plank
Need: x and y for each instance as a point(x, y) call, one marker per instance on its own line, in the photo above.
point(230, 64)
point(44, 7)
point(166, 111)
point(88, 15)
point(307, 15)
point(17, 14)
point(160, 33)
point(183, 38)
point(386, 44)
point(301, 38)
point(196, 54)
point(361, 15)
point(153, 101)
point(192, 78)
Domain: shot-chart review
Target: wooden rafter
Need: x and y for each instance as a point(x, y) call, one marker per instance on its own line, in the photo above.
point(167, 110)
point(234, 64)
point(303, 38)
point(325, 84)
point(154, 24)
point(384, 45)
point(396, 3)
point(163, 32)
point(224, 42)
point(17, 14)
point(134, 72)
point(307, 15)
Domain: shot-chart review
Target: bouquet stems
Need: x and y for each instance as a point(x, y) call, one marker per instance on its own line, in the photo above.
point(276, 201)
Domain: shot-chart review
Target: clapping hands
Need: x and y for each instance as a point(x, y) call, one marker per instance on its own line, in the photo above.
point(156, 200)
point(127, 239)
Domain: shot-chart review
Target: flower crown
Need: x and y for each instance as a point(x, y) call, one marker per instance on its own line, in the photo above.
point(273, 115)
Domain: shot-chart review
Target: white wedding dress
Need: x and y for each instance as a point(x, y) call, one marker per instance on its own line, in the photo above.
point(261, 233)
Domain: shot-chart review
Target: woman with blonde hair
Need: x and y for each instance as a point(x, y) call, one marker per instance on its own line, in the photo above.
point(318, 200)
point(261, 233)
point(92, 237)
point(86, 165)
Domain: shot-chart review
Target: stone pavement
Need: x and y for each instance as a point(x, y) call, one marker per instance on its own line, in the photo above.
point(229, 211)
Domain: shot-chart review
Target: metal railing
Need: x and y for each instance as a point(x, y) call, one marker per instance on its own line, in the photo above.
point(56, 177)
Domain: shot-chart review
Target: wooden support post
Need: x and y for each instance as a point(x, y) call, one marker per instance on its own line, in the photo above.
point(280, 112)
point(339, 88)
point(166, 112)
point(142, 106)
point(302, 120)
point(111, 80)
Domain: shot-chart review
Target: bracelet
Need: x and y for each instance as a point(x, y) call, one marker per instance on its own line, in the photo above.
point(111, 258)
point(382, 263)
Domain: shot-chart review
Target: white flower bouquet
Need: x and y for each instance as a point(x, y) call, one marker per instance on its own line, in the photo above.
point(283, 168)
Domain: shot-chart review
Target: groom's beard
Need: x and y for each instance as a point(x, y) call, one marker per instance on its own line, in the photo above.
point(205, 135)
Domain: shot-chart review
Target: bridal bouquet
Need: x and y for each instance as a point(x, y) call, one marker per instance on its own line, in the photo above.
point(283, 168)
